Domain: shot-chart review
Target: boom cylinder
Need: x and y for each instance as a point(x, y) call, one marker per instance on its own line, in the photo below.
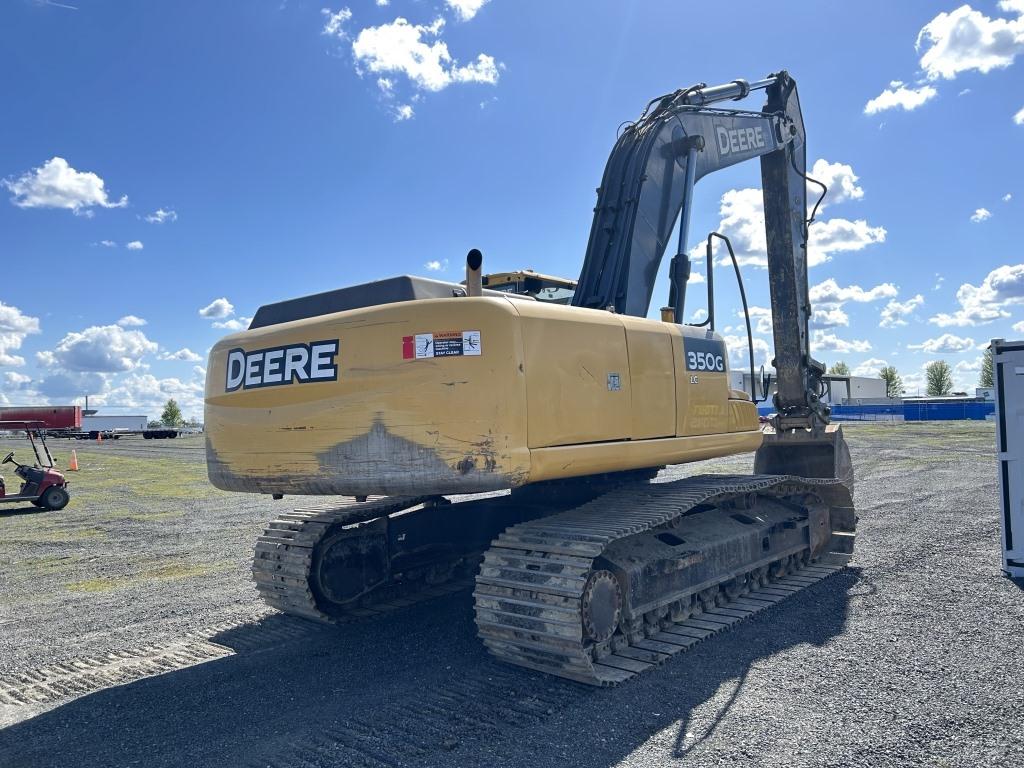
point(734, 91)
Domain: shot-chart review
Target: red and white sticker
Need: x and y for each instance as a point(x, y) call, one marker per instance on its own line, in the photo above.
point(443, 344)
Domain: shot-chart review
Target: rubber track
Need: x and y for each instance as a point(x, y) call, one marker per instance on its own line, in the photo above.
point(284, 556)
point(529, 591)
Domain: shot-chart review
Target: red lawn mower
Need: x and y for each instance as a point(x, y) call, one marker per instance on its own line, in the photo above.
point(41, 484)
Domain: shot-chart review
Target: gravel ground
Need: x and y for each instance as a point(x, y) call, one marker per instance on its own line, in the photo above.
point(911, 657)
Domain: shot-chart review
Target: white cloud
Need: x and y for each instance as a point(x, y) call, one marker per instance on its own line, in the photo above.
point(334, 25)
point(980, 215)
point(21, 386)
point(131, 321)
point(869, 367)
point(947, 343)
point(436, 265)
point(1008, 197)
point(160, 215)
point(145, 391)
point(465, 9)
point(383, 3)
point(403, 112)
point(840, 235)
point(15, 379)
point(15, 325)
point(829, 318)
point(55, 184)
point(65, 385)
point(966, 39)
point(964, 92)
point(742, 221)
point(102, 348)
point(821, 341)
point(739, 352)
point(968, 366)
point(235, 324)
point(840, 180)
point(1018, 118)
point(417, 52)
point(135, 245)
point(981, 304)
point(896, 312)
point(830, 292)
point(760, 318)
point(108, 243)
point(1019, 327)
point(899, 95)
point(218, 308)
point(184, 354)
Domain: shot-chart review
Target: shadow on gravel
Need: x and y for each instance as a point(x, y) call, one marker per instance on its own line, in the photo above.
point(412, 688)
point(31, 509)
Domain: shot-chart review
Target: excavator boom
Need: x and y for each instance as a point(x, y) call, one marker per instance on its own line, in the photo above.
point(648, 187)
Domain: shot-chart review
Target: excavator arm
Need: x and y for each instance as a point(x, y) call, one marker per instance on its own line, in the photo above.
point(648, 185)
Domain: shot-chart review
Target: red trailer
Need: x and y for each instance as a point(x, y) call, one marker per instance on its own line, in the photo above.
point(47, 417)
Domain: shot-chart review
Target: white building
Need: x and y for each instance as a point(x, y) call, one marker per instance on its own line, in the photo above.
point(849, 390)
point(114, 423)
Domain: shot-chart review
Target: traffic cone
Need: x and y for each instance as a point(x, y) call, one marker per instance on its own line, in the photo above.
point(73, 465)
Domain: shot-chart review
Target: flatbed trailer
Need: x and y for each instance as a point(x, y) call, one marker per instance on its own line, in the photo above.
point(161, 433)
point(157, 433)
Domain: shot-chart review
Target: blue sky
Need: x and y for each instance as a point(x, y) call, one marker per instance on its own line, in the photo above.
point(169, 166)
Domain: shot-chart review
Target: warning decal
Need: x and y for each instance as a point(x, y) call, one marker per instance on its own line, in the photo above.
point(443, 344)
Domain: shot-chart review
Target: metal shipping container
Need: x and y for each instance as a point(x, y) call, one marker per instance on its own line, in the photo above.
point(1008, 367)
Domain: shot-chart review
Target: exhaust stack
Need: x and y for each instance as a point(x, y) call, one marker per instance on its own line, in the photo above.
point(474, 275)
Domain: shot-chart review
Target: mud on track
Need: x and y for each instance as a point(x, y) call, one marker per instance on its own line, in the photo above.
point(130, 634)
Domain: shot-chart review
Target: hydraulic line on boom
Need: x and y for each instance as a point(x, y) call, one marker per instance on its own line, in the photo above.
point(648, 185)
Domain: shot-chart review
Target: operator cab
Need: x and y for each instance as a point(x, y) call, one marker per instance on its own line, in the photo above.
point(526, 282)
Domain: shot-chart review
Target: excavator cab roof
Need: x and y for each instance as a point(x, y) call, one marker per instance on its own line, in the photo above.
point(526, 282)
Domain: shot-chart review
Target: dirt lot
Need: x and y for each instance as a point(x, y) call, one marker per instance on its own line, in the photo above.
point(131, 635)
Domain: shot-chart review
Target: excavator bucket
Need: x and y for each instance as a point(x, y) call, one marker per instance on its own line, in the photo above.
point(804, 453)
point(822, 455)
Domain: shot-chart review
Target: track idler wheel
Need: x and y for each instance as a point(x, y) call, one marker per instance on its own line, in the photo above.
point(348, 564)
point(602, 606)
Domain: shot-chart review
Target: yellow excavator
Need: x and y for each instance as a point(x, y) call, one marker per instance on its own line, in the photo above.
point(418, 400)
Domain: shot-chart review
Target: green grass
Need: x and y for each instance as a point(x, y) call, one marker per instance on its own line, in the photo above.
point(53, 533)
point(166, 572)
point(142, 478)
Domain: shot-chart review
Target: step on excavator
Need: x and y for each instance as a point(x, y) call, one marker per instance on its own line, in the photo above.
point(509, 431)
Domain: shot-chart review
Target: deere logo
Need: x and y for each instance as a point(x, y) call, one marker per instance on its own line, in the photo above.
point(276, 366)
point(738, 139)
